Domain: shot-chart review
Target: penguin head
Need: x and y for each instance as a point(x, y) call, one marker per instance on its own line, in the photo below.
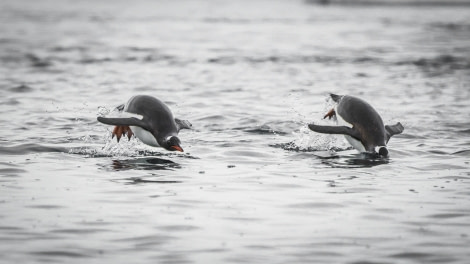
point(173, 143)
point(382, 151)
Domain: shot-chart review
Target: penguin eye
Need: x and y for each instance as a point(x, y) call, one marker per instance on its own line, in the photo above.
point(174, 141)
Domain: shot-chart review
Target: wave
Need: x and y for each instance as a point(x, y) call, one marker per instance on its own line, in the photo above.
point(451, 26)
point(440, 64)
point(463, 3)
point(57, 56)
point(29, 148)
point(21, 89)
point(293, 59)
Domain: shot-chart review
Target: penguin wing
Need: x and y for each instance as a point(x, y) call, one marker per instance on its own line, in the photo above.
point(123, 121)
point(182, 124)
point(344, 130)
point(394, 130)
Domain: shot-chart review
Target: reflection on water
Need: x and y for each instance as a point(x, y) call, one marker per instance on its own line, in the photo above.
point(139, 181)
point(360, 160)
point(145, 180)
point(146, 163)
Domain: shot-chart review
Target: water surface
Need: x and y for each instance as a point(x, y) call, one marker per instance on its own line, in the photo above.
point(254, 185)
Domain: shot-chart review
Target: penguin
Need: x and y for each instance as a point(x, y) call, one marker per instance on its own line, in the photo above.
point(366, 131)
point(150, 120)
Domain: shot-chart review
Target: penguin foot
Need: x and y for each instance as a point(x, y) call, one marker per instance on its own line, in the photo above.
point(122, 130)
point(330, 114)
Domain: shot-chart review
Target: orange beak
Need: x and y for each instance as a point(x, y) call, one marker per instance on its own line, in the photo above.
point(178, 148)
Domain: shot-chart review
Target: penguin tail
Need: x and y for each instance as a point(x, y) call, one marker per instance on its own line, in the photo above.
point(393, 130)
point(182, 124)
point(120, 107)
point(335, 97)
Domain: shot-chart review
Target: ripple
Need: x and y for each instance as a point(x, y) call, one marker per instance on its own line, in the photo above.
point(38, 62)
point(11, 101)
point(11, 172)
point(80, 231)
point(45, 206)
point(30, 147)
point(313, 205)
point(452, 26)
point(446, 216)
point(294, 59)
point(147, 163)
point(61, 253)
point(464, 152)
point(412, 255)
point(21, 89)
point(143, 242)
point(137, 180)
point(441, 64)
point(178, 228)
point(262, 130)
point(369, 262)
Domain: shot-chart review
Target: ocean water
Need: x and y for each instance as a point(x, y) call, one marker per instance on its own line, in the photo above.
point(254, 185)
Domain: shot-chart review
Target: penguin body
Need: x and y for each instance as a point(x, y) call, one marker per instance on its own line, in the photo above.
point(152, 122)
point(363, 127)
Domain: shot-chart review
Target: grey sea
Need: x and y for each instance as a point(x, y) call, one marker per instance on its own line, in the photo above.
point(254, 185)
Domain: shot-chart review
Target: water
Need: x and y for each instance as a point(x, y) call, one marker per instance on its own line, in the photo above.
point(254, 185)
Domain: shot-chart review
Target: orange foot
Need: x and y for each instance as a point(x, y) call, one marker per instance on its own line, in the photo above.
point(330, 114)
point(122, 130)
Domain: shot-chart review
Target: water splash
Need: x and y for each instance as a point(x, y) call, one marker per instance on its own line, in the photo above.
point(307, 140)
point(126, 148)
point(99, 142)
point(112, 148)
point(103, 111)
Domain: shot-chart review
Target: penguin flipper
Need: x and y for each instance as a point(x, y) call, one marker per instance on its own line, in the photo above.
point(126, 121)
point(394, 130)
point(183, 124)
point(344, 130)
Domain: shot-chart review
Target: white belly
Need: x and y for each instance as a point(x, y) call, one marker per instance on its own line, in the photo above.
point(145, 136)
point(354, 142)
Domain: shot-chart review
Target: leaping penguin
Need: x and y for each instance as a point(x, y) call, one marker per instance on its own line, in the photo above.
point(367, 132)
point(152, 123)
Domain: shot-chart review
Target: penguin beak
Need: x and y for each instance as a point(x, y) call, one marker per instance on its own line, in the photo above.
point(177, 148)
